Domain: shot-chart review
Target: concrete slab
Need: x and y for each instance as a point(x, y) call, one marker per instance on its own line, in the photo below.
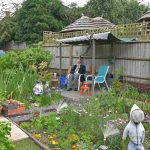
point(16, 133)
point(75, 95)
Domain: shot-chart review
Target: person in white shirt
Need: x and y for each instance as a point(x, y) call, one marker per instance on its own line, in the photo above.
point(76, 70)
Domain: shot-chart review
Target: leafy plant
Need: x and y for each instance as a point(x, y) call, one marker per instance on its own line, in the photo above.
point(25, 125)
point(25, 58)
point(5, 143)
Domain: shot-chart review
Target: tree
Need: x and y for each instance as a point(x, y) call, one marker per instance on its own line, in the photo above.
point(7, 29)
point(116, 11)
point(37, 16)
point(73, 12)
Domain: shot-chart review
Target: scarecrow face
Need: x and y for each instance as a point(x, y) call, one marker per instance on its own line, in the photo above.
point(137, 116)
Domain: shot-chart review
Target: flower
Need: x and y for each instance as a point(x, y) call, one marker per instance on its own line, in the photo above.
point(148, 118)
point(54, 135)
point(96, 99)
point(74, 147)
point(54, 142)
point(73, 138)
point(90, 114)
point(57, 118)
point(37, 136)
point(51, 138)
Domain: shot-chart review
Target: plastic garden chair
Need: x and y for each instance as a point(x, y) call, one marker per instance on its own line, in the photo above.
point(101, 76)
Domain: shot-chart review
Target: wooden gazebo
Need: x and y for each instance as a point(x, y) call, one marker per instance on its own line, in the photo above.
point(93, 39)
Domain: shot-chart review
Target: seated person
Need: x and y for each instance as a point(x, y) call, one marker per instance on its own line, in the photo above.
point(76, 70)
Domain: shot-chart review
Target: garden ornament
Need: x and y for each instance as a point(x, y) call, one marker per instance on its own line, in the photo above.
point(46, 88)
point(135, 130)
point(38, 89)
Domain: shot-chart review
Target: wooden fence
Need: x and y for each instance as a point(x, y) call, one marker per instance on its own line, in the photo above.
point(133, 58)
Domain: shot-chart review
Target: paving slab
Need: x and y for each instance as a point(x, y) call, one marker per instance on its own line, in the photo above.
point(75, 95)
point(16, 133)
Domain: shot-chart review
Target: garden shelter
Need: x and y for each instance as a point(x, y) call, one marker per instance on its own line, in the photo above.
point(130, 56)
point(92, 40)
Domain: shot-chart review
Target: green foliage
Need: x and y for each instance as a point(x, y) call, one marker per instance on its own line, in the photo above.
point(81, 126)
point(17, 77)
point(72, 12)
point(49, 124)
point(115, 142)
point(13, 59)
point(37, 16)
point(5, 143)
point(132, 92)
point(127, 11)
point(25, 125)
point(26, 144)
point(7, 29)
point(46, 100)
point(117, 85)
point(17, 83)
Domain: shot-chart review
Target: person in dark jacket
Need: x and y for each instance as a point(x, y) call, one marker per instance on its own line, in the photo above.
point(75, 72)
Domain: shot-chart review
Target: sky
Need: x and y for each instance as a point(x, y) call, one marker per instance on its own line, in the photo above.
point(79, 2)
point(65, 2)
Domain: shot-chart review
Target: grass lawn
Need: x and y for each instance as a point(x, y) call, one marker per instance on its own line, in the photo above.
point(26, 145)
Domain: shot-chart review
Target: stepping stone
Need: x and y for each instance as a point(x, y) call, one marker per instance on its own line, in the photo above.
point(16, 133)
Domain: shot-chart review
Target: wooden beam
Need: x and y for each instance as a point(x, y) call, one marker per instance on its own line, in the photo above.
point(60, 59)
point(93, 66)
point(116, 58)
point(71, 55)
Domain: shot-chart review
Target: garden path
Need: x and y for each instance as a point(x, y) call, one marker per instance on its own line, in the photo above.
point(75, 95)
point(16, 133)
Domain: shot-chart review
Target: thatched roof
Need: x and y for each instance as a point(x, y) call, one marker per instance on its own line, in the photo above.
point(86, 23)
point(145, 17)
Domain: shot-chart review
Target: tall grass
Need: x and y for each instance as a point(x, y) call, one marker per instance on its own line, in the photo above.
point(17, 83)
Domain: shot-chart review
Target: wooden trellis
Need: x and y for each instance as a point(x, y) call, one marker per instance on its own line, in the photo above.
point(139, 31)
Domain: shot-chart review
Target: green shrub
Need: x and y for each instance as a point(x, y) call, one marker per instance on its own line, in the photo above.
point(25, 125)
point(5, 143)
point(25, 58)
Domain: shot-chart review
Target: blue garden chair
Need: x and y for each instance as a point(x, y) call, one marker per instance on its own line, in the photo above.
point(101, 76)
